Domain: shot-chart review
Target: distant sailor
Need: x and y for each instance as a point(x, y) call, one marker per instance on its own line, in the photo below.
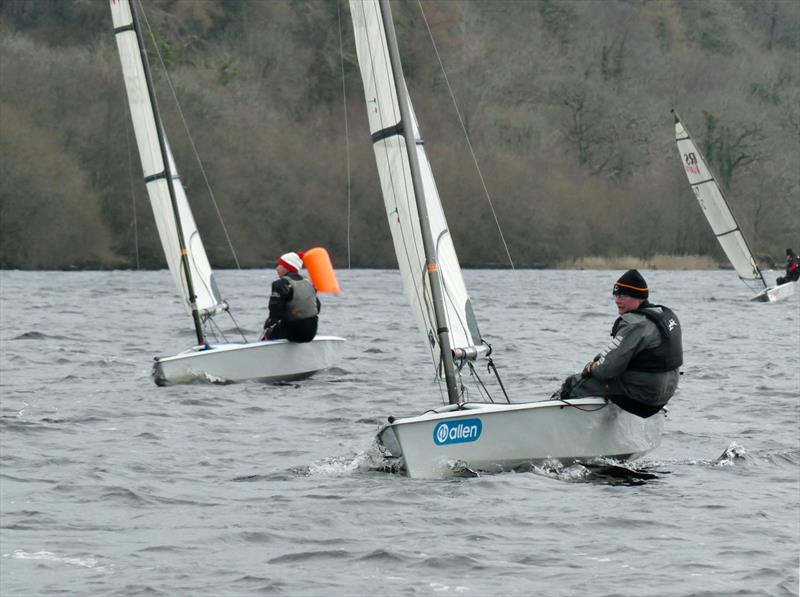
point(792, 268)
point(293, 303)
point(638, 370)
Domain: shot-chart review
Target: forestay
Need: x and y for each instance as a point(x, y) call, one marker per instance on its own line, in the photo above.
point(715, 207)
point(398, 193)
point(153, 162)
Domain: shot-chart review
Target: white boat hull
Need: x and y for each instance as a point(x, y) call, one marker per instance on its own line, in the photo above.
point(272, 360)
point(772, 294)
point(501, 437)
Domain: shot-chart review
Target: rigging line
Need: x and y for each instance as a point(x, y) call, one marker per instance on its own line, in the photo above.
point(211, 326)
point(196, 266)
point(212, 323)
point(462, 387)
point(442, 392)
point(236, 324)
point(454, 312)
point(469, 143)
point(492, 367)
point(346, 128)
point(557, 396)
point(211, 292)
point(480, 382)
point(583, 408)
point(133, 193)
point(191, 140)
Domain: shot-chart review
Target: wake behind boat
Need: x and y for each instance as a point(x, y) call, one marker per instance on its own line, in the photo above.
point(464, 434)
point(184, 251)
point(720, 218)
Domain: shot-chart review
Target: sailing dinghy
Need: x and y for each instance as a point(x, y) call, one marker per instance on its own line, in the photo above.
point(186, 257)
point(462, 435)
point(719, 216)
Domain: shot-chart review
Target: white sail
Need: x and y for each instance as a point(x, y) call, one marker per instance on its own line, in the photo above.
point(144, 124)
point(398, 192)
point(715, 208)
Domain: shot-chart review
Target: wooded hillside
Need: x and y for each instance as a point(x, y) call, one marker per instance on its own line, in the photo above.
point(567, 106)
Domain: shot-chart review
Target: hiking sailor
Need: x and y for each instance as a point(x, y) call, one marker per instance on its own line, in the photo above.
point(792, 268)
point(293, 303)
point(638, 370)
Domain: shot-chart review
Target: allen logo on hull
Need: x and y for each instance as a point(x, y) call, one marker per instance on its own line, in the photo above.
point(457, 432)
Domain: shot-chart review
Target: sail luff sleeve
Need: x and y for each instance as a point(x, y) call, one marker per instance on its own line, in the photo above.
point(208, 299)
point(395, 176)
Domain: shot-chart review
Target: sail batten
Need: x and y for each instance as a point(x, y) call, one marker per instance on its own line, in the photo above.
point(156, 168)
point(387, 132)
point(389, 145)
point(715, 208)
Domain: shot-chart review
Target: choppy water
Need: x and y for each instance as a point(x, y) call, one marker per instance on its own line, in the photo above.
point(112, 486)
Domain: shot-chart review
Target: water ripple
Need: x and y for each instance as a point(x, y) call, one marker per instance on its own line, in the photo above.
point(114, 486)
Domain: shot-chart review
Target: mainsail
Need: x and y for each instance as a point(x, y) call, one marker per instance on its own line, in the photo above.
point(715, 207)
point(398, 193)
point(153, 165)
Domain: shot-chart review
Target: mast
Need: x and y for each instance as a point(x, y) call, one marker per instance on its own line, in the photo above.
point(431, 264)
point(167, 174)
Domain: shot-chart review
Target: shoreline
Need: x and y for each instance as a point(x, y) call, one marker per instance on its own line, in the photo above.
point(625, 262)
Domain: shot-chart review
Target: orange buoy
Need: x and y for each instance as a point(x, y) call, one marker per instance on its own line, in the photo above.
point(320, 270)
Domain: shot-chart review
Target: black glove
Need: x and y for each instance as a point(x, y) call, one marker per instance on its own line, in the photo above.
point(587, 370)
point(566, 387)
point(590, 366)
point(269, 327)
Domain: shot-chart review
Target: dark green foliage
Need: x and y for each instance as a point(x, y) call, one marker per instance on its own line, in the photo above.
point(727, 149)
point(228, 71)
point(775, 21)
point(46, 225)
point(770, 91)
point(164, 51)
point(566, 104)
point(557, 18)
point(704, 25)
point(612, 58)
point(44, 20)
point(662, 34)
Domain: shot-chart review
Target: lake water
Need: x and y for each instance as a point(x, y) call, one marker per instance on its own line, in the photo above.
point(111, 485)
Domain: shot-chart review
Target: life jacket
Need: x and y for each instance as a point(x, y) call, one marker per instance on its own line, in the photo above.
point(666, 356)
point(793, 269)
point(303, 304)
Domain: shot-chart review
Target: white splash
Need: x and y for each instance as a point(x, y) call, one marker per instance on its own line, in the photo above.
point(339, 466)
point(88, 562)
